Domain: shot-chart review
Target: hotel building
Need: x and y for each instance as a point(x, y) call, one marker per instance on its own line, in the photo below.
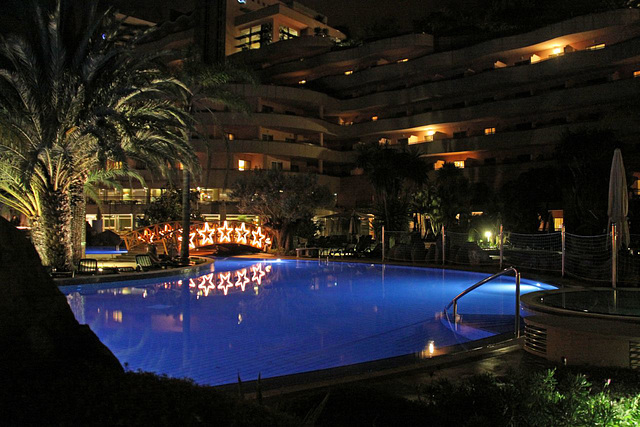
point(494, 108)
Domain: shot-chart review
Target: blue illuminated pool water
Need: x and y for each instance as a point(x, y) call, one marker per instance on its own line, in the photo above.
point(275, 318)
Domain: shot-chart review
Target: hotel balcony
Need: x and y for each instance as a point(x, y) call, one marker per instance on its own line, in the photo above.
point(280, 148)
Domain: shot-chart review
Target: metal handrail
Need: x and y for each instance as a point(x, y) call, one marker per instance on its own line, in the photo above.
point(454, 301)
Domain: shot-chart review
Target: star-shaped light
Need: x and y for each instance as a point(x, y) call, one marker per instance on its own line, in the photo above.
point(258, 274)
point(225, 233)
point(192, 237)
point(242, 234)
point(206, 234)
point(257, 239)
point(206, 284)
point(225, 282)
point(242, 279)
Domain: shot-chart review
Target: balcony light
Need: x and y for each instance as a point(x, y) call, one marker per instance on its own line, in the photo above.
point(557, 50)
point(301, 82)
point(374, 118)
point(403, 60)
point(348, 73)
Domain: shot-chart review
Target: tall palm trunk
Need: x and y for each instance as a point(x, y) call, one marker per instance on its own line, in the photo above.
point(225, 183)
point(51, 232)
point(186, 215)
point(78, 218)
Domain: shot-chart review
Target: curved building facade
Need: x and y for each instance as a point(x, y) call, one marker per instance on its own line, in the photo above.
point(494, 108)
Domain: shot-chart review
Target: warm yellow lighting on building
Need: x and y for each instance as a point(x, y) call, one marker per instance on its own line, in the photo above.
point(413, 139)
point(535, 58)
point(596, 46)
point(459, 164)
point(557, 223)
point(301, 82)
point(438, 165)
point(431, 132)
point(403, 60)
point(636, 73)
point(374, 118)
point(489, 131)
point(244, 165)
point(557, 50)
point(348, 73)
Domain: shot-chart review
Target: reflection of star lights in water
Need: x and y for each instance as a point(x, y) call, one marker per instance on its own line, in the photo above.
point(225, 282)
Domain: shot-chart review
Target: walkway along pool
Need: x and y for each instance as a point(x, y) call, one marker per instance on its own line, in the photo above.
point(281, 317)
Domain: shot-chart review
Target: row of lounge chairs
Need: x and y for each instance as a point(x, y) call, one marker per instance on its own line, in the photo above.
point(366, 247)
point(144, 262)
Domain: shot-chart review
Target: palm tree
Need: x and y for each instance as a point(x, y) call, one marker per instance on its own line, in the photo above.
point(394, 175)
point(74, 99)
point(208, 86)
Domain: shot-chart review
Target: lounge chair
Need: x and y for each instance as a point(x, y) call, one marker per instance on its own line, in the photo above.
point(145, 263)
point(87, 266)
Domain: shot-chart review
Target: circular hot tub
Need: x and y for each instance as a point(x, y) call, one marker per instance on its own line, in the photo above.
point(597, 326)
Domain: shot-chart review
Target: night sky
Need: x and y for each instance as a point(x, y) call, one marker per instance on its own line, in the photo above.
point(356, 14)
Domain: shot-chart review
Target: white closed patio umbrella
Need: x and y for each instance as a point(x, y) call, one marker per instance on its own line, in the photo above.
point(618, 207)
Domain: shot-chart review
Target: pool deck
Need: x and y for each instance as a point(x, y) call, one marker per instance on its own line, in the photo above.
point(498, 358)
point(205, 266)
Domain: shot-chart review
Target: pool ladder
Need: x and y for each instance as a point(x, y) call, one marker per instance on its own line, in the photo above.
point(454, 302)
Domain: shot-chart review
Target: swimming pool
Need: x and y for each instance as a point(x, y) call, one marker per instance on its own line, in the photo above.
point(280, 317)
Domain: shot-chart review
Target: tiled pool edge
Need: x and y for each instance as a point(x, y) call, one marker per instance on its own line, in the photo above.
point(377, 369)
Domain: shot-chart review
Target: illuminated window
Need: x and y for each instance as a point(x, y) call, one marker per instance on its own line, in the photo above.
point(535, 58)
point(301, 82)
point(113, 165)
point(557, 50)
point(254, 37)
point(403, 60)
point(374, 118)
point(412, 139)
point(231, 136)
point(459, 164)
point(244, 165)
point(384, 141)
point(348, 73)
point(438, 165)
point(636, 73)
point(557, 223)
point(489, 131)
point(287, 33)
point(596, 46)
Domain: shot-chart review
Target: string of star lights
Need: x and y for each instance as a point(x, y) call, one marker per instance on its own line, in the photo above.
point(203, 234)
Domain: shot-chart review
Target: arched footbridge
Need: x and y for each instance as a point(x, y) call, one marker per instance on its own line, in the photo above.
point(202, 233)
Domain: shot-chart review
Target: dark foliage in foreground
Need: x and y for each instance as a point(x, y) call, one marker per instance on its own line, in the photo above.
point(542, 398)
point(538, 398)
point(132, 399)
